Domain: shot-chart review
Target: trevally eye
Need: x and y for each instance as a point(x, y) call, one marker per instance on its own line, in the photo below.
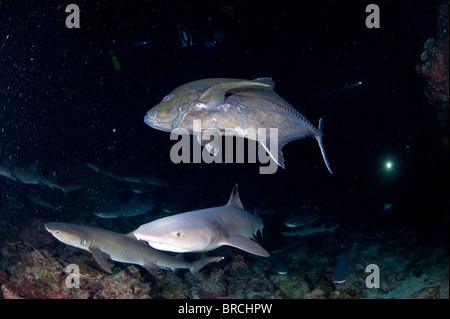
point(167, 98)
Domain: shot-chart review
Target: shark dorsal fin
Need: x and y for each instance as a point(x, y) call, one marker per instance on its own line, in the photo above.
point(235, 200)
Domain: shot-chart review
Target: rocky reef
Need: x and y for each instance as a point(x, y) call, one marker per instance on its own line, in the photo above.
point(35, 267)
point(433, 67)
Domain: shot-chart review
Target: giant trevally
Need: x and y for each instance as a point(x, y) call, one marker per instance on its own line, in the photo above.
point(241, 107)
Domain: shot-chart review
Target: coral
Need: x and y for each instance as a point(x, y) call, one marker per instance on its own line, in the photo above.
point(434, 69)
point(239, 268)
point(124, 284)
point(213, 286)
point(410, 268)
point(427, 293)
point(294, 287)
point(174, 290)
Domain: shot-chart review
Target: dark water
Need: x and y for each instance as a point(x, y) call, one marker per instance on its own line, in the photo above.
point(63, 102)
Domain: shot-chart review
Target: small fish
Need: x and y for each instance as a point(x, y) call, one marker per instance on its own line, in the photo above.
point(133, 208)
point(185, 36)
point(240, 106)
point(306, 231)
point(300, 220)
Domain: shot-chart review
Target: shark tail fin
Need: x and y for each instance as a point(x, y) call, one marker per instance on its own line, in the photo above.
point(235, 200)
point(322, 149)
point(199, 264)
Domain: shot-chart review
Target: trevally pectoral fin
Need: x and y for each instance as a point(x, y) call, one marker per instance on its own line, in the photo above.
point(209, 138)
point(247, 245)
point(215, 95)
point(322, 149)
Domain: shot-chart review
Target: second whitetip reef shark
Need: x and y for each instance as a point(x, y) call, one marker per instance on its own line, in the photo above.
point(206, 229)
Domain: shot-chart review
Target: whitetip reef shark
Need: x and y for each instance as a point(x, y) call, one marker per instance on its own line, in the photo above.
point(131, 209)
point(30, 176)
point(206, 229)
point(244, 106)
point(125, 248)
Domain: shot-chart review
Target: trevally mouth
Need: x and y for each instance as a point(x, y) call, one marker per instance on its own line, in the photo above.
point(153, 120)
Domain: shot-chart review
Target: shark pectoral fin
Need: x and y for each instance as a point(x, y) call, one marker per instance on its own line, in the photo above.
point(152, 269)
point(267, 81)
point(247, 245)
point(101, 258)
point(199, 264)
point(215, 95)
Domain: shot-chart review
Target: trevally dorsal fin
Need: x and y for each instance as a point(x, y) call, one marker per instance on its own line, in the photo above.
point(267, 81)
point(215, 95)
point(235, 200)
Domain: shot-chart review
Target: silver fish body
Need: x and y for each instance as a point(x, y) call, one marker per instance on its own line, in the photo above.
point(244, 106)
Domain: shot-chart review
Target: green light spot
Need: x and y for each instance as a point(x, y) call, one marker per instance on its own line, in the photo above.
point(115, 60)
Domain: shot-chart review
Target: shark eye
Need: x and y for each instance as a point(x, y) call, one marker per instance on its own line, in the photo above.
point(179, 234)
point(167, 98)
